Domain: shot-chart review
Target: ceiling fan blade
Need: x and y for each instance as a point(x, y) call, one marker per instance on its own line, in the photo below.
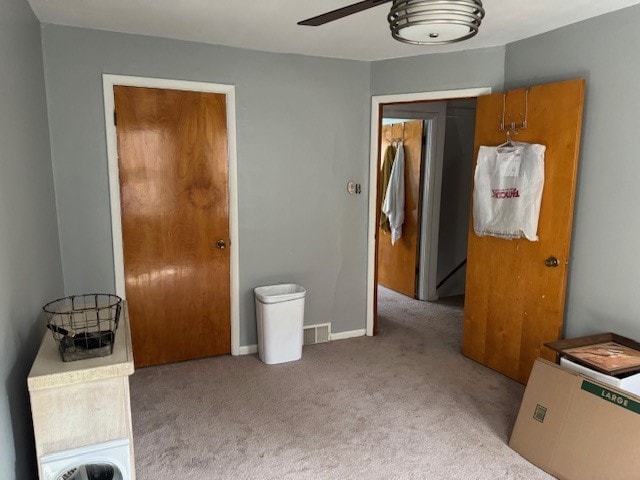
point(342, 12)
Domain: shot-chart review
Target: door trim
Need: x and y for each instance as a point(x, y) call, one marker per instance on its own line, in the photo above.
point(430, 224)
point(108, 82)
point(376, 102)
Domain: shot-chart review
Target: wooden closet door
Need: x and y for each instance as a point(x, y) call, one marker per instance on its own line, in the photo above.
point(173, 166)
point(515, 302)
point(397, 264)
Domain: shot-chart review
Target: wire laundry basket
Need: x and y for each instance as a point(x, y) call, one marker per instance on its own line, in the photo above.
point(84, 326)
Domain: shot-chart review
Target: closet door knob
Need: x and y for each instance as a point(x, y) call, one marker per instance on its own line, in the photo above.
point(221, 244)
point(551, 262)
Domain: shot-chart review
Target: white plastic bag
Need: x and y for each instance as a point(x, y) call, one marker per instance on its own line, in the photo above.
point(507, 192)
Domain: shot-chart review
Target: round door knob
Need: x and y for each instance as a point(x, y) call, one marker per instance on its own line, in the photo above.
point(551, 262)
point(221, 244)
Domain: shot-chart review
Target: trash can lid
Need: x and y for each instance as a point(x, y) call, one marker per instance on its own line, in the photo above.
point(279, 293)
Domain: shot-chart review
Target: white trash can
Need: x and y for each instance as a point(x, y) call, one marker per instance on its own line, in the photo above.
point(280, 315)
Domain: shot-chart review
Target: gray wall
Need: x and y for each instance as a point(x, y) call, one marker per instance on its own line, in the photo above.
point(604, 281)
point(483, 67)
point(30, 273)
point(455, 197)
point(302, 134)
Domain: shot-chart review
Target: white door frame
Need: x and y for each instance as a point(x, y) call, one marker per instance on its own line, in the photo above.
point(108, 82)
point(430, 218)
point(376, 102)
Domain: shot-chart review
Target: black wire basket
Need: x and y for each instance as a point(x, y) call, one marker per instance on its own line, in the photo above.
point(84, 326)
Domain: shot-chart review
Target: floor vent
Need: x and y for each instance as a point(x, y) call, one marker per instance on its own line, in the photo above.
point(319, 333)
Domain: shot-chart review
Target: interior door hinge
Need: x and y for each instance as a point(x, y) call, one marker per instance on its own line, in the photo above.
point(115, 118)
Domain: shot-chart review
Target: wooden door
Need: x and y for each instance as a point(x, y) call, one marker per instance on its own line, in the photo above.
point(514, 303)
point(397, 264)
point(173, 163)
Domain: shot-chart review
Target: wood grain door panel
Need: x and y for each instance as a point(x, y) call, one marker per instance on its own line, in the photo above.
point(514, 303)
point(397, 263)
point(173, 167)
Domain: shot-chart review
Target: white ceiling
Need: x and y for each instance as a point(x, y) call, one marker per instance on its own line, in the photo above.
point(270, 25)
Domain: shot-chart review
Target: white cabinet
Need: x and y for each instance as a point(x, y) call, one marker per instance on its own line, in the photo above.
point(83, 403)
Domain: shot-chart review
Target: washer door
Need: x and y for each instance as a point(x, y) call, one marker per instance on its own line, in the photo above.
point(92, 471)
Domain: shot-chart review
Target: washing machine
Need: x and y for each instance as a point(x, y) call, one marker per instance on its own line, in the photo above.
point(103, 461)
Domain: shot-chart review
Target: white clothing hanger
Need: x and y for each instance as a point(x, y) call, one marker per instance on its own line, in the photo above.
point(509, 143)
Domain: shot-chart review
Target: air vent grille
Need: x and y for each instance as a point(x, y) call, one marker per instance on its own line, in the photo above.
point(319, 333)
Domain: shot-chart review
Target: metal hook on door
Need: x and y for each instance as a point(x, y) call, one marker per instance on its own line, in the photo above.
point(512, 123)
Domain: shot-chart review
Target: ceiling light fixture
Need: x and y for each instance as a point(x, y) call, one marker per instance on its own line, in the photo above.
point(435, 22)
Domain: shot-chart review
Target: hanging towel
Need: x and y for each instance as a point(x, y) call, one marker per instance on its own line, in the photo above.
point(507, 192)
point(393, 205)
point(385, 174)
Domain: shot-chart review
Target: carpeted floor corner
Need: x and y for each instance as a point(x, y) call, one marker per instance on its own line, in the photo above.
point(402, 405)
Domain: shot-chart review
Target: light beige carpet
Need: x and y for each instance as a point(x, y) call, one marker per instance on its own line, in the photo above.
point(402, 405)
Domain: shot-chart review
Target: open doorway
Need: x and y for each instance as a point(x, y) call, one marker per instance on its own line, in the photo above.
point(436, 136)
point(427, 261)
point(455, 197)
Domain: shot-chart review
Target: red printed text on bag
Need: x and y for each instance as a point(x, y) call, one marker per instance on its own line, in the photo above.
point(505, 193)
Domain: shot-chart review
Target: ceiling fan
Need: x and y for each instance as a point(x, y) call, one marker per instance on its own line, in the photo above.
point(419, 22)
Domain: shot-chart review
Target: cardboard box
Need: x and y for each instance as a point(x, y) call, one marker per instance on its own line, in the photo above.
point(629, 384)
point(577, 428)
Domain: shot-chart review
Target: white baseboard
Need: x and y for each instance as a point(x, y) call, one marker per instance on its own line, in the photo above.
point(350, 334)
point(251, 349)
point(248, 349)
